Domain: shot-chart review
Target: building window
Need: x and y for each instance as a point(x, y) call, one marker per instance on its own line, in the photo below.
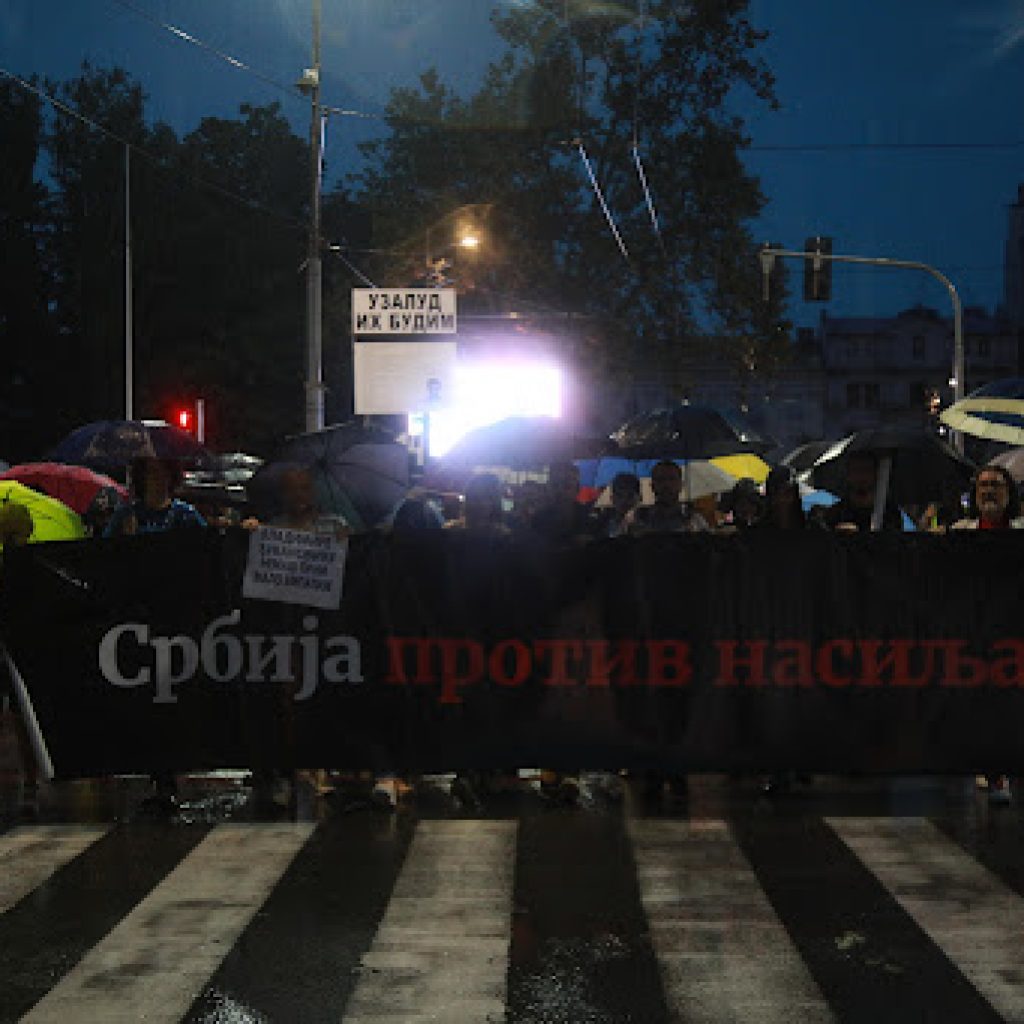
point(872, 396)
point(919, 346)
point(853, 396)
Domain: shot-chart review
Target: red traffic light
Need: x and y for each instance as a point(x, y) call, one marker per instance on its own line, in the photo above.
point(185, 419)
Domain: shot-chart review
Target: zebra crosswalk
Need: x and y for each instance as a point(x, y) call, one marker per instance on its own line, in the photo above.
point(373, 920)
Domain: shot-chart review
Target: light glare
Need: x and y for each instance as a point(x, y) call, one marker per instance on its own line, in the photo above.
point(485, 393)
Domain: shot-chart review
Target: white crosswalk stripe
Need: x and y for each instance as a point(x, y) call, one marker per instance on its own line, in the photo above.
point(975, 919)
point(154, 963)
point(441, 951)
point(30, 855)
point(724, 955)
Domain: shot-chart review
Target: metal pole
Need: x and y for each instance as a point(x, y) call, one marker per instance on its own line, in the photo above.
point(884, 261)
point(129, 369)
point(314, 340)
point(201, 420)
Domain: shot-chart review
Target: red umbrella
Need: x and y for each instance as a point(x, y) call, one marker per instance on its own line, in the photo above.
point(75, 486)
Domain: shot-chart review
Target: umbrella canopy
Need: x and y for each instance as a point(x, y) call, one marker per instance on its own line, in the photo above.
point(75, 486)
point(750, 467)
point(522, 442)
point(804, 456)
point(688, 432)
point(1013, 461)
point(359, 473)
point(703, 477)
point(51, 519)
point(922, 467)
point(699, 480)
point(994, 412)
point(109, 445)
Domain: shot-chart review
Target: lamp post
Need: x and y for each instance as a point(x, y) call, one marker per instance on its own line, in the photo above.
point(310, 83)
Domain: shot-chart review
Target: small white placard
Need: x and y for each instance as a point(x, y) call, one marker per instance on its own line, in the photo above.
point(295, 567)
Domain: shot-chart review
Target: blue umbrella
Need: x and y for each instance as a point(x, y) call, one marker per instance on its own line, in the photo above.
point(110, 445)
point(825, 499)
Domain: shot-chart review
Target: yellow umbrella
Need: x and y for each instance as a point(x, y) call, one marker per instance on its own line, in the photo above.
point(51, 519)
point(741, 466)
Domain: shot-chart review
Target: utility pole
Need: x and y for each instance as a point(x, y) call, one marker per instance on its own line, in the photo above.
point(314, 339)
point(769, 254)
point(128, 339)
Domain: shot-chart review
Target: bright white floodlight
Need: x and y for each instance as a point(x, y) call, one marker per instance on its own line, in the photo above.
point(486, 392)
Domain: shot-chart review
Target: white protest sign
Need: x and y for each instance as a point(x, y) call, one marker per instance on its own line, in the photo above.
point(295, 567)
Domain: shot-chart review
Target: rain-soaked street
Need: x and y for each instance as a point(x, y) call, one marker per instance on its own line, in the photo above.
point(845, 900)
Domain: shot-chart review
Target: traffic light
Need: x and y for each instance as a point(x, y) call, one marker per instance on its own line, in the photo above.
point(817, 272)
point(185, 419)
point(772, 280)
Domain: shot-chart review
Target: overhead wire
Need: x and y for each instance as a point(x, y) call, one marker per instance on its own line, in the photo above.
point(65, 108)
point(581, 149)
point(292, 91)
point(227, 58)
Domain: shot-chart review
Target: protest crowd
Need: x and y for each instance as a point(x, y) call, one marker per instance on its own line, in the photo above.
point(551, 509)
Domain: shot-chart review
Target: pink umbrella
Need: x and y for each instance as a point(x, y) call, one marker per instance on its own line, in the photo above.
point(75, 486)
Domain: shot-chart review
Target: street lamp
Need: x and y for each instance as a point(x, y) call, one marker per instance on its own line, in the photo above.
point(467, 235)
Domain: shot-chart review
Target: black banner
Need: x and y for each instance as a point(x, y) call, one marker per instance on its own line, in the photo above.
point(755, 652)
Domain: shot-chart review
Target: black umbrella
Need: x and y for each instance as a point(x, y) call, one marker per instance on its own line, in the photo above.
point(522, 443)
point(359, 472)
point(689, 432)
point(804, 456)
point(922, 467)
point(110, 445)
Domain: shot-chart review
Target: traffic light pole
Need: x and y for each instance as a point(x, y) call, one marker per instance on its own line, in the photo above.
point(768, 255)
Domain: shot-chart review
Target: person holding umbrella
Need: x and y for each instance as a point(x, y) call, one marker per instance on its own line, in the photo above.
point(667, 514)
point(625, 493)
point(153, 508)
point(854, 509)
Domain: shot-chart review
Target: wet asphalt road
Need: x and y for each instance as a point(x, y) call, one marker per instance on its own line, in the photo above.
point(853, 900)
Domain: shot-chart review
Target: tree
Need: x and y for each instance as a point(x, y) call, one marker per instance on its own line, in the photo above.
point(24, 285)
point(597, 83)
point(217, 242)
point(223, 299)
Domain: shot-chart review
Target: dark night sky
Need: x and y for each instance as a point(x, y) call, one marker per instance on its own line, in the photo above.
point(849, 72)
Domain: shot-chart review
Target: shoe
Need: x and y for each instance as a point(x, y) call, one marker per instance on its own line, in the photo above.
point(607, 785)
point(161, 805)
point(999, 791)
point(384, 794)
point(776, 785)
point(463, 792)
point(679, 789)
point(654, 786)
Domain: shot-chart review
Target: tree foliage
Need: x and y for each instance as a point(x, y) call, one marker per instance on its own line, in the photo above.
point(218, 238)
point(577, 79)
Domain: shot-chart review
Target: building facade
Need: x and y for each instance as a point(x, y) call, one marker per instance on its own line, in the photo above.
point(897, 370)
